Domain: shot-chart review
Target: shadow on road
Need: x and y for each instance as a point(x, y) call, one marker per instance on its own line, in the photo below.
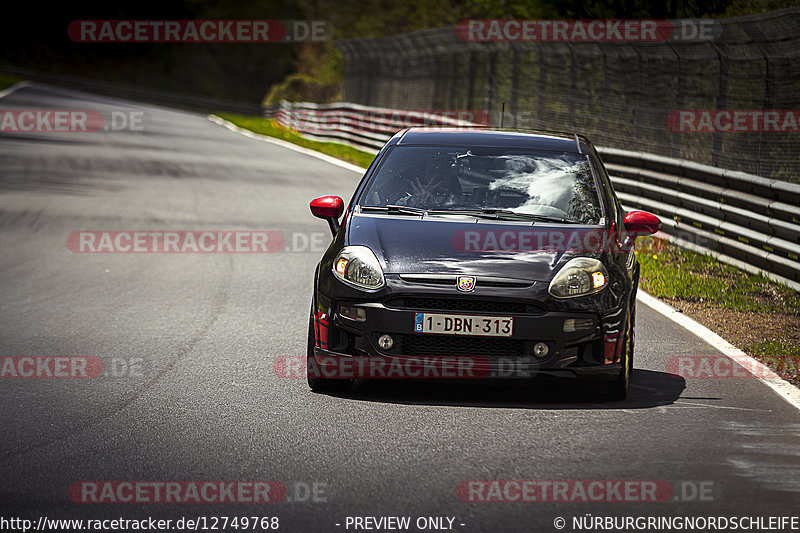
point(647, 389)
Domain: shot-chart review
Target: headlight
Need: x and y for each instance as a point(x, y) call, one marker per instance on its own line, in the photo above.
point(358, 266)
point(579, 277)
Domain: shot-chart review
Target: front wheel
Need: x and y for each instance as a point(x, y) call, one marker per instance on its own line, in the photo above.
point(316, 380)
point(618, 389)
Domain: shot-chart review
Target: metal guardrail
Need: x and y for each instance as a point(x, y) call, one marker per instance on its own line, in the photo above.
point(747, 220)
point(361, 126)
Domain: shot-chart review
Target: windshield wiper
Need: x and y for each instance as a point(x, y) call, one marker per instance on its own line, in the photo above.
point(468, 212)
point(491, 213)
point(396, 209)
point(531, 216)
point(500, 214)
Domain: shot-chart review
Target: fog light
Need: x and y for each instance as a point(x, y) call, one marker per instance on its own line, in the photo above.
point(577, 324)
point(359, 314)
point(385, 342)
point(540, 349)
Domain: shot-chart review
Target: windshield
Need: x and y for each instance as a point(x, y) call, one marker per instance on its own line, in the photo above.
point(547, 184)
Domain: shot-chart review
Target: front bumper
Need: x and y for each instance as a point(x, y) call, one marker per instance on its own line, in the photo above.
point(350, 348)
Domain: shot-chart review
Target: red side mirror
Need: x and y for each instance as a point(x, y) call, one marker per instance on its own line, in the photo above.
point(327, 207)
point(641, 223)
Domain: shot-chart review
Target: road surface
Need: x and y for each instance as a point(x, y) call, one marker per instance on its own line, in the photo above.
point(188, 342)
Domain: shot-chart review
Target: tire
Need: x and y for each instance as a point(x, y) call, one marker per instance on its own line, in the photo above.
point(320, 383)
point(617, 390)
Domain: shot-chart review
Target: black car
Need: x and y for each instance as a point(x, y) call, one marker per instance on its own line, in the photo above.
point(473, 254)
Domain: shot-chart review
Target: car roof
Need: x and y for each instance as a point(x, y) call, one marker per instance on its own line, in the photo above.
point(551, 141)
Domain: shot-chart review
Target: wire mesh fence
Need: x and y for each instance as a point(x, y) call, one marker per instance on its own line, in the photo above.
point(730, 99)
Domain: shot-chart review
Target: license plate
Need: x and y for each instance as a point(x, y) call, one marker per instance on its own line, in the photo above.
point(489, 326)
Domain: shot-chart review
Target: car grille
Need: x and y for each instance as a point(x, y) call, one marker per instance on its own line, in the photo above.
point(455, 346)
point(464, 305)
point(482, 281)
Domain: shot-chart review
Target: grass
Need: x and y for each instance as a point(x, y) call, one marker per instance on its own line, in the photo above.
point(775, 348)
point(8, 81)
point(781, 356)
point(270, 127)
point(672, 272)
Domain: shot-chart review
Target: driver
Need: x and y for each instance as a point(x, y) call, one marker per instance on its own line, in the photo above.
point(437, 185)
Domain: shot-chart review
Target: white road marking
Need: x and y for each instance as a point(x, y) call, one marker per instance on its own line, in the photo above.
point(783, 388)
point(266, 138)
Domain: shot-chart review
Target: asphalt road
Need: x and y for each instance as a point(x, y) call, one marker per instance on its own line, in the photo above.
point(192, 339)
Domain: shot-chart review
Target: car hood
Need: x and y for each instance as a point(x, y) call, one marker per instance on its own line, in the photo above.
point(460, 245)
